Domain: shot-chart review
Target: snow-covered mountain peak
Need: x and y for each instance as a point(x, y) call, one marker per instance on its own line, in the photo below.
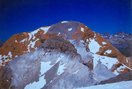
point(87, 50)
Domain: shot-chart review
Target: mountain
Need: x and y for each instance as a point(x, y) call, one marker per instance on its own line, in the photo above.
point(122, 41)
point(65, 55)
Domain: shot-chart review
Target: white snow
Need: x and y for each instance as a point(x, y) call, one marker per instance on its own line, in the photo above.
point(93, 46)
point(82, 29)
point(118, 85)
point(4, 56)
point(64, 22)
point(33, 43)
point(104, 43)
point(45, 66)
point(108, 51)
point(45, 29)
point(30, 36)
point(22, 41)
point(121, 68)
point(61, 69)
point(87, 40)
point(58, 33)
point(34, 32)
point(107, 61)
point(10, 54)
point(37, 85)
point(70, 29)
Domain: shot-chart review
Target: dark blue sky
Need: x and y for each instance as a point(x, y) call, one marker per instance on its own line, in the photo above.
point(100, 15)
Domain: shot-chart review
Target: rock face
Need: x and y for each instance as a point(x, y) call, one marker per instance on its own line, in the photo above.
point(60, 55)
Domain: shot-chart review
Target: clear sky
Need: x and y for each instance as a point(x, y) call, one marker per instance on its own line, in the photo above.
point(100, 15)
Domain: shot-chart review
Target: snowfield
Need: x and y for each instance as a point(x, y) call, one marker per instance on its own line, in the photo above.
point(118, 85)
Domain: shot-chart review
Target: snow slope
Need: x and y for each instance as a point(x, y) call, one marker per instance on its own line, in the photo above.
point(118, 85)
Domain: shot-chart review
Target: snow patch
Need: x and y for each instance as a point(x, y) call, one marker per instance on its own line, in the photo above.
point(93, 46)
point(108, 51)
point(121, 68)
point(33, 43)
point(70, 29)
point(61, 69)
point(87, 40)
point(30, 36)
point(45, 29)
point(104, 43)
point(35, 31)
point(22, 41)
point(10, 54)
point(107, 61)
point(64, 22)
point(45, 66)
point(58, 33)
point(82, 29)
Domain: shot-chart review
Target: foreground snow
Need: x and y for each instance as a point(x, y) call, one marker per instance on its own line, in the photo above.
point(119, 85)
